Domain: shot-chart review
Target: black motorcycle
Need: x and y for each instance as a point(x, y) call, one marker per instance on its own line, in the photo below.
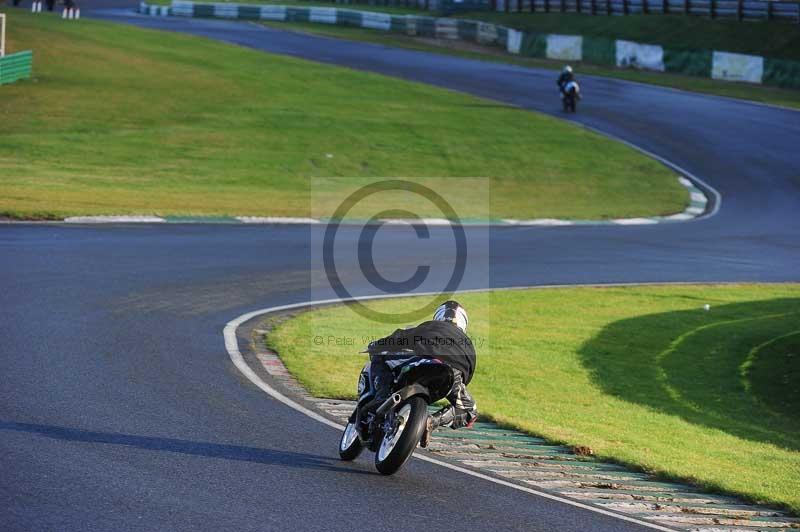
point(392, 427)
point(570, 96)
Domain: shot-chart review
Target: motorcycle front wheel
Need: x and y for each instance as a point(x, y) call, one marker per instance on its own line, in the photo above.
point(350, 445)
point(398, 444)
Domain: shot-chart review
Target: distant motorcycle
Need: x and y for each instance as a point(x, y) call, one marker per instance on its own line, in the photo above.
point(392, 427)
point(570, 96)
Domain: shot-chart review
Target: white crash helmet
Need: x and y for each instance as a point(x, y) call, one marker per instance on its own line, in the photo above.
point(453, 312)
point(567, 69)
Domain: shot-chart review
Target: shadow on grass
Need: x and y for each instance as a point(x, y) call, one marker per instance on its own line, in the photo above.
point(705, 367)
point(188, 447)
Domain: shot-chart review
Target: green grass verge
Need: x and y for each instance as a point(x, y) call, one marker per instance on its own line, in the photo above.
point(645, 377)
point(148, 122)
point(745, 91)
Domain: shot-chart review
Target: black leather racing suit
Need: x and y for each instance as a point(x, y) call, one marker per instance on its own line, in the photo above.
point(432, 339)
point(563, 79)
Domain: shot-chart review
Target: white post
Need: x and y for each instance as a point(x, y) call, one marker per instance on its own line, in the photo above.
point(2, 34)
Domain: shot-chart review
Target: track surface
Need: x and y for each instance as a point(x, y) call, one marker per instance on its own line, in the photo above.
point(119, 408)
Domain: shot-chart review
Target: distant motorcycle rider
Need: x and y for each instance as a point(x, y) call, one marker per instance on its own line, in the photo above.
point(565, 77)
point(443, 338)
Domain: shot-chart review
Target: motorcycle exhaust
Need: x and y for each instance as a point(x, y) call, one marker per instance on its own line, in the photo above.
point(395, 399)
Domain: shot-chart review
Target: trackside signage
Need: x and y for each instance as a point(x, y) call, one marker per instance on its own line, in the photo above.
point(566, 47)
point(637, 55)
point(737, 67)
point(323, 15)
point(376, 21)
point(514, 41)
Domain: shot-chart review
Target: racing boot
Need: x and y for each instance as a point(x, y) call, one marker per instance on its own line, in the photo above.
point(426, 436)
point(435, 420)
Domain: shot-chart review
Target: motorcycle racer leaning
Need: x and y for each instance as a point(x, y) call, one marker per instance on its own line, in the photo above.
point(443, 338)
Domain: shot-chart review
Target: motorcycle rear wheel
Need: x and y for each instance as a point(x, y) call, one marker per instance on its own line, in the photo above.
point(398, 445)
point(350, 445)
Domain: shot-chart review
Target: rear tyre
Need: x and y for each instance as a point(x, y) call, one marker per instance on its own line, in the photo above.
point(398, 445)
point(350, 445)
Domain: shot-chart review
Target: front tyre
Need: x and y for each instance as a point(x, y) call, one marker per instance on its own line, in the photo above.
point(350, 445)
point(398, 444)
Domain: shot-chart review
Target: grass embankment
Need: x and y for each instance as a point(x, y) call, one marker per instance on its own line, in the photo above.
point(757, 93)
point(122, 120)
point(646, 378)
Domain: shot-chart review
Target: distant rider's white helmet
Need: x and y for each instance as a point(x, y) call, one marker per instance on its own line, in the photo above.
point(567, 69)
point(453, 312)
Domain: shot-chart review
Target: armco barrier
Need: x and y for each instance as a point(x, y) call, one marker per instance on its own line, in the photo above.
point(16, 66)
point(567, 48)
point(742, 10)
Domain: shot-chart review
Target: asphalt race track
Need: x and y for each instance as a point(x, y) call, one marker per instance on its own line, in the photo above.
point(120, 409)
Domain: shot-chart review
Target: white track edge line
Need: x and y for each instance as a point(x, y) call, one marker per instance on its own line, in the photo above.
point(232, 346)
